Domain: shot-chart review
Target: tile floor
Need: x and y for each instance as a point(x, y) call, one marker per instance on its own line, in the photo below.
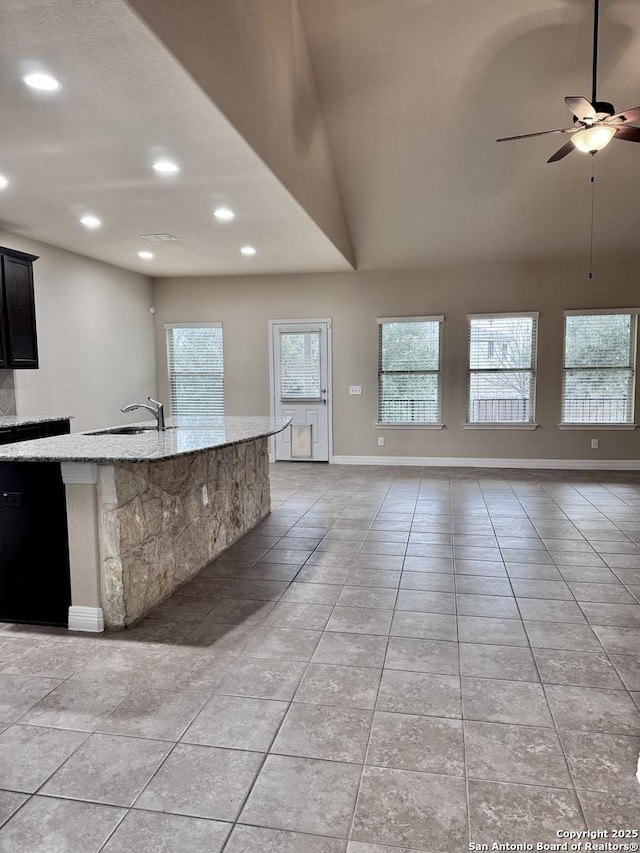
point(396, 660)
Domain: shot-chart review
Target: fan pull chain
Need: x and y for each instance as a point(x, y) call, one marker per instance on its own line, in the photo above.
point(593, 199)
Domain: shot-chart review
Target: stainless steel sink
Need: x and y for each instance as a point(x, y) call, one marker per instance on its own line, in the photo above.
point(128, 430)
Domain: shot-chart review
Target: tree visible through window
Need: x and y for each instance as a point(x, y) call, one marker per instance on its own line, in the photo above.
point(196, 370)
point(409, 370)
point(502, 357)
point(599, 368)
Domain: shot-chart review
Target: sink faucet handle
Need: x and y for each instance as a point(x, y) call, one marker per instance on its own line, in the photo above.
point(159, 412)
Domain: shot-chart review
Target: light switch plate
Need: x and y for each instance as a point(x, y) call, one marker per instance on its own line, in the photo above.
point(355, 390)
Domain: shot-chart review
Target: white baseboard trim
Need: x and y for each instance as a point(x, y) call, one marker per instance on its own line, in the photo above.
point(86, 619)
point(489, 462)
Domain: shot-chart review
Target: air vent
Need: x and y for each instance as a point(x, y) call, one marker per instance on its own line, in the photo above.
point(158, 238)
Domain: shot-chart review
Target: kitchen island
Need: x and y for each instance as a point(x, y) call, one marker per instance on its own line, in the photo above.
point(147, 511)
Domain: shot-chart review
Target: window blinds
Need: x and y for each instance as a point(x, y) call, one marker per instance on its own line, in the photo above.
point(409, 370)
point(502, 360)
point(599, 377)
point(196, 370)
point(300, 368)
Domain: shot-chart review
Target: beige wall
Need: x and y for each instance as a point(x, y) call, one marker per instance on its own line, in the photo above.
point(95, 338)
point(355, 300)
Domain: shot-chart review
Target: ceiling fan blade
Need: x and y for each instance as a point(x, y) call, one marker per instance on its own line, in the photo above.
point(632, 114)
point(540, 133)
point(631, 134)
point(581, 108)
point(567, 148)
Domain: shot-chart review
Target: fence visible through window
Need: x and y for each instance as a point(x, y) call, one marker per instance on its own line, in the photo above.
point(500, 410)
point(600, 410)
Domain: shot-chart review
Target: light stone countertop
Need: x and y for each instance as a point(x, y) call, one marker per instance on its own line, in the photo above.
point(188, 435)
point(18, 420)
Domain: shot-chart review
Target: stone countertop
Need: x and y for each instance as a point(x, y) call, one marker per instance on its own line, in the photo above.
point(7, 421)
point(187, 435)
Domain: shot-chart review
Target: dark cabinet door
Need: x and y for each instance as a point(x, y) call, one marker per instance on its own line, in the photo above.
point(34, 549)
point(7, 435)
point(46, 429)
point(20, 314)
point(34, 556)
point(4, 357)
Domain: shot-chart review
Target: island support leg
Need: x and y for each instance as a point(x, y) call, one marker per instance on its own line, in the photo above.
point(85, 612)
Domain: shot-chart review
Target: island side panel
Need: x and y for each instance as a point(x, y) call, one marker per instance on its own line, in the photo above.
point(157, 532)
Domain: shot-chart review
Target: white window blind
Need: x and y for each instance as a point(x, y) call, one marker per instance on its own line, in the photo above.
point(300, 370)
point(502, 365)
point(599, 367)
point(196, 370)
point(409, 370)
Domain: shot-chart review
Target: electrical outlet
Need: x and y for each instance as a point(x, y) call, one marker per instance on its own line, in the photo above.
point(380, 441)
point(205, 495)
point(355, 390)
point(595, 443)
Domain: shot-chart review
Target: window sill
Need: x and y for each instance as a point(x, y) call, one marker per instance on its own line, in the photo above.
point(599, 427)
point(409, 426)
point(500, 426)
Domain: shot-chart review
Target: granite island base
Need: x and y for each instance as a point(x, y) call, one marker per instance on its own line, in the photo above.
point(147, 512)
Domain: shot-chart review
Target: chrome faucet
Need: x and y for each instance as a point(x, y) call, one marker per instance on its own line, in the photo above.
point(157, 410)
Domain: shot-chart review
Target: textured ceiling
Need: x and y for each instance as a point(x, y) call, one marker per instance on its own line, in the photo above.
point(410, 94)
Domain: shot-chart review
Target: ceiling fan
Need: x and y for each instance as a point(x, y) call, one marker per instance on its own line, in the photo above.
point(595, 124)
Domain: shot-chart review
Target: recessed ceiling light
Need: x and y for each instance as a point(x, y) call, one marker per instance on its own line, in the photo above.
point(166, 167)
point(42, 82)
point(4, 182)
point(90, 221)
point(146, 256)
point(248, 250)
point(224, 214)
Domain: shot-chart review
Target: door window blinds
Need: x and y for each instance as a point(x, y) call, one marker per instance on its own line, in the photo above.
point(300, 366)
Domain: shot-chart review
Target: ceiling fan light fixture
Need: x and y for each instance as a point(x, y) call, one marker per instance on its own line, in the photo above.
point(593, 139)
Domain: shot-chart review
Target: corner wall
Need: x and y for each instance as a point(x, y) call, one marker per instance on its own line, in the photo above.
point(244, 305)
point(95, 338)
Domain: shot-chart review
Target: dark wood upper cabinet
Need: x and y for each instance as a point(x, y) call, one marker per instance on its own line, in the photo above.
point(18, 340)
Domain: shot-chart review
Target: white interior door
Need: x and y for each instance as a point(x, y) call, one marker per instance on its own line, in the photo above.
point(300, 389)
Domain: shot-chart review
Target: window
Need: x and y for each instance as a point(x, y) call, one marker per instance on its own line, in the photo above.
point(300, 365)
point(409, 371)
point(599, 367)
point(502, 363)
point(196, 375)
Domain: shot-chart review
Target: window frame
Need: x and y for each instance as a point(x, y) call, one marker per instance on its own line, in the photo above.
point(437, 424)
point(633, 353)
point(530, 424)
point(201, 325)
